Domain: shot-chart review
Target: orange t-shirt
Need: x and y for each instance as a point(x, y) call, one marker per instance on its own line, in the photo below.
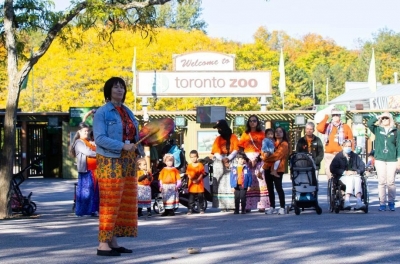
point(146, 181)
point(333, 146)
point(90, 161)
point(246, 143)
point(240, 178)
point(195, 172)
point(169, 175)
point(219, 145)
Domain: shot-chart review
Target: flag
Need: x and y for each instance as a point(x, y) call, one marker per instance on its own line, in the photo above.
point(282, 81)
point(134, 76)
point(372, 74)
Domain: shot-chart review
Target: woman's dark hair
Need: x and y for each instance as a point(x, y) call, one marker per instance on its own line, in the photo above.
point(109, 85)
point(76, 137)
point(258, 127)
point(284, 137)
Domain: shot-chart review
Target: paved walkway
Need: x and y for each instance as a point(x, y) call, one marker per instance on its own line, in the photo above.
point(57, 236)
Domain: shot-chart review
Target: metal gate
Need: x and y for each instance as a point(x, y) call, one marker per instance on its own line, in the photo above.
point(35, 146)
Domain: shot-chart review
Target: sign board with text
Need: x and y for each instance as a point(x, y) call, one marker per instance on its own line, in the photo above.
point(204, 61)
point(202, 83)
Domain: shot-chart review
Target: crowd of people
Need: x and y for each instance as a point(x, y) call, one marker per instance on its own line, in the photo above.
point(115, 183)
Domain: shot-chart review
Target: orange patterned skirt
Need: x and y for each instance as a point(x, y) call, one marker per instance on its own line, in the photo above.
point(118, 196)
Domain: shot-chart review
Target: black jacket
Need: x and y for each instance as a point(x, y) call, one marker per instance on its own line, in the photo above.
point(317, 149)
point(339, 164)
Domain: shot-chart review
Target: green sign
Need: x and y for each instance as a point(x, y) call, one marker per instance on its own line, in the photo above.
point(283, 124)
point(77, 114)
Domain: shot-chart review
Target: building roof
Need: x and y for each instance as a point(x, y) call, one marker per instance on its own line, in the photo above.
point(365, 94)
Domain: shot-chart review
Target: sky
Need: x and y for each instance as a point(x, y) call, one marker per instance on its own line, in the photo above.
point(344, 21)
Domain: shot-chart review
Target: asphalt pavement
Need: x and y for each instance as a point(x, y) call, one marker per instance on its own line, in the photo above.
point(56, 235)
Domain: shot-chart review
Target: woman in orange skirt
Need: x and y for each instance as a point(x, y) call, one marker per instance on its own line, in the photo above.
point(115, 132)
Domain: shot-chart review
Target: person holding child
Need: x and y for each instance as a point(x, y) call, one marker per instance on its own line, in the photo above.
point(195, 172)
point(280, 154)
point(144, 190)
point(240, 179)
point(169, 182)
point(250, 143)
point(268, 147)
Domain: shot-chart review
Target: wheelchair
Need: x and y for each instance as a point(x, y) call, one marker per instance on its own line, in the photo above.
point(337, 191)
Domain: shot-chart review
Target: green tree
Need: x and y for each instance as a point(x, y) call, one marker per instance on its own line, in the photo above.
point(19, 17)
point(184, 15)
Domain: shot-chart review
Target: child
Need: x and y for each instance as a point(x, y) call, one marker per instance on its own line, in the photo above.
point(195, 172)
point(268, 146)
point(241, 180)
point(144, 190)
point(169, 182)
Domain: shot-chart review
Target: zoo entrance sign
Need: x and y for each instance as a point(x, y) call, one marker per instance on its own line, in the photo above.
point(204, 74)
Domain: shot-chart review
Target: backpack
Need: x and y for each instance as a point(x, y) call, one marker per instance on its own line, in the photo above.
point(176, 152)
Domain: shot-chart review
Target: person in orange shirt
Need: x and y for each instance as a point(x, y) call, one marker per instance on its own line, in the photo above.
point(195, 172)
point(223, 152)
point(169, 182)
point(251, 144)
point(335, 132)
point(281, 153)
point(144, 190)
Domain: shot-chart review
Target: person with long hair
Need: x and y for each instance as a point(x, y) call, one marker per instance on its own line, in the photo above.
point(116, 133)
point(250, 143)
point(85, 154)
point(281, 153)
point(224, 150)
point(387, 157)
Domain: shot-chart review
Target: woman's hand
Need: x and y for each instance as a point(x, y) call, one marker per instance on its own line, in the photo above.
point(160, 189)
point(129, 147)
point(233, 190)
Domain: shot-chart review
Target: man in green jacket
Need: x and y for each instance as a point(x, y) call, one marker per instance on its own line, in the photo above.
point(387, 157)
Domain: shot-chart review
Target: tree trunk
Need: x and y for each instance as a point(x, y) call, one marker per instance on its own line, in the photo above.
point(8, 151)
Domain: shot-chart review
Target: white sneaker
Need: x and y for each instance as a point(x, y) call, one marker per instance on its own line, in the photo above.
point(281, 211)
point(359, 205)
point(270, 211)
point(347, 204)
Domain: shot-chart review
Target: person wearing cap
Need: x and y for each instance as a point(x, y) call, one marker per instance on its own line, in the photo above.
point(387, 157)
point(335, 132)
point(224, 150)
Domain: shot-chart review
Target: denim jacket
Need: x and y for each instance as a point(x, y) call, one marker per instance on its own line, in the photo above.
point(108, 132)
point(234, 177)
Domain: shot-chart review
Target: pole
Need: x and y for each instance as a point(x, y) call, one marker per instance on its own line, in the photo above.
point(33, 89)
point(134, 76)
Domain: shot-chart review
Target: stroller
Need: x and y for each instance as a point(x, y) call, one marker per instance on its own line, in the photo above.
point(158, 205)
point(19, 202)
point(304, 183)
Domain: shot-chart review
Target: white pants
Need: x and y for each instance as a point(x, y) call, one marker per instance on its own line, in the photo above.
point(386, 177)
point(353, 184)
